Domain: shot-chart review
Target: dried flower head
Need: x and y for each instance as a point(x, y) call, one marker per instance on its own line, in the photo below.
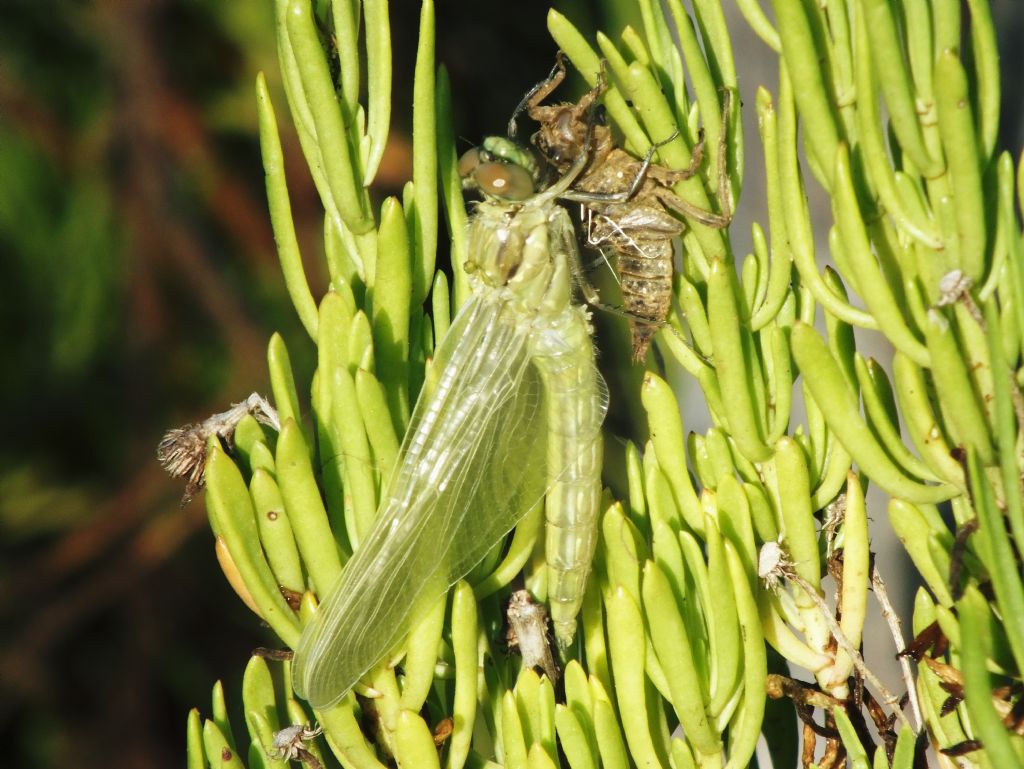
point(182, 450)
point(954, 284)
point(773, 565)
point(290, 743)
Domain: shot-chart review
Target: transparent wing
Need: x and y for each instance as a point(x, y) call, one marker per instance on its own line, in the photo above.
point(471, 465)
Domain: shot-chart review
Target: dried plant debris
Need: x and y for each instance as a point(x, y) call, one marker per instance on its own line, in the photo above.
point(528, 633)
point(1008, 700)
point(182, 450)
point(292, 597)
point(956, 556)
point(775, 569)
point(443, 731)
point(930, 637)
point(277, 655)
point(1009, 703)
point(801, 693)
point(625, 201)
point(962, 748)
point(807, 697)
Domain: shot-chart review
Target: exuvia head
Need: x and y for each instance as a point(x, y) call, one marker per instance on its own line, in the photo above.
point(501, 169)
point(564, 133)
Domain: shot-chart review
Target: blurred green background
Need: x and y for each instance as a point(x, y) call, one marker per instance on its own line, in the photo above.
point(139, 288)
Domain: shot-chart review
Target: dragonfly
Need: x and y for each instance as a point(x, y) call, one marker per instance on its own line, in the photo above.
point(626, 201)
point(514, 373)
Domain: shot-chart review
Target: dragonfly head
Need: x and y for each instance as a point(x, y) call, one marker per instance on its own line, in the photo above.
point(501, 169)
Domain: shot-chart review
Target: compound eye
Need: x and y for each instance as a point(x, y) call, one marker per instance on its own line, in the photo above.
point(501, 180)
point(469, 162)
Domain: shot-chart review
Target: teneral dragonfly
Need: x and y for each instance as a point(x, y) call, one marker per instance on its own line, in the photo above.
point(514, 373)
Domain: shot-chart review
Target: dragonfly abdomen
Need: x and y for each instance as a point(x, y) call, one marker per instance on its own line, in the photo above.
point(571, 536)
point(575, 405)
point(645, 272)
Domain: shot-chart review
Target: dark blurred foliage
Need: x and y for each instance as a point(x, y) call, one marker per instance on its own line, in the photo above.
point(139, 288)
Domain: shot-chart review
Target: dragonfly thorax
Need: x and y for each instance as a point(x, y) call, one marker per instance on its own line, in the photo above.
point(522, 249)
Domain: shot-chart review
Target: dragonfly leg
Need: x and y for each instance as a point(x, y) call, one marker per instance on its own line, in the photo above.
point(692, 211)
point(597, 242)
point(689, 210)
point(671, 176)
point(531, 103)
point(579, 275)
point(647, 168)
point(569, 131)
point(538, 93)
point(590, 196)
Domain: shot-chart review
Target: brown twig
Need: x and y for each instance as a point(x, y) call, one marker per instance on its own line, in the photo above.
point(892, 619)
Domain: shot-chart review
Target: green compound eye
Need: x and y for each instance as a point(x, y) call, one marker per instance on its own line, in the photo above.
point(511, 152)
point(504, 181)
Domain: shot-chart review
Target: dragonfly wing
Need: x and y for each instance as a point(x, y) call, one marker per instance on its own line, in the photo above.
point(471, 465)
